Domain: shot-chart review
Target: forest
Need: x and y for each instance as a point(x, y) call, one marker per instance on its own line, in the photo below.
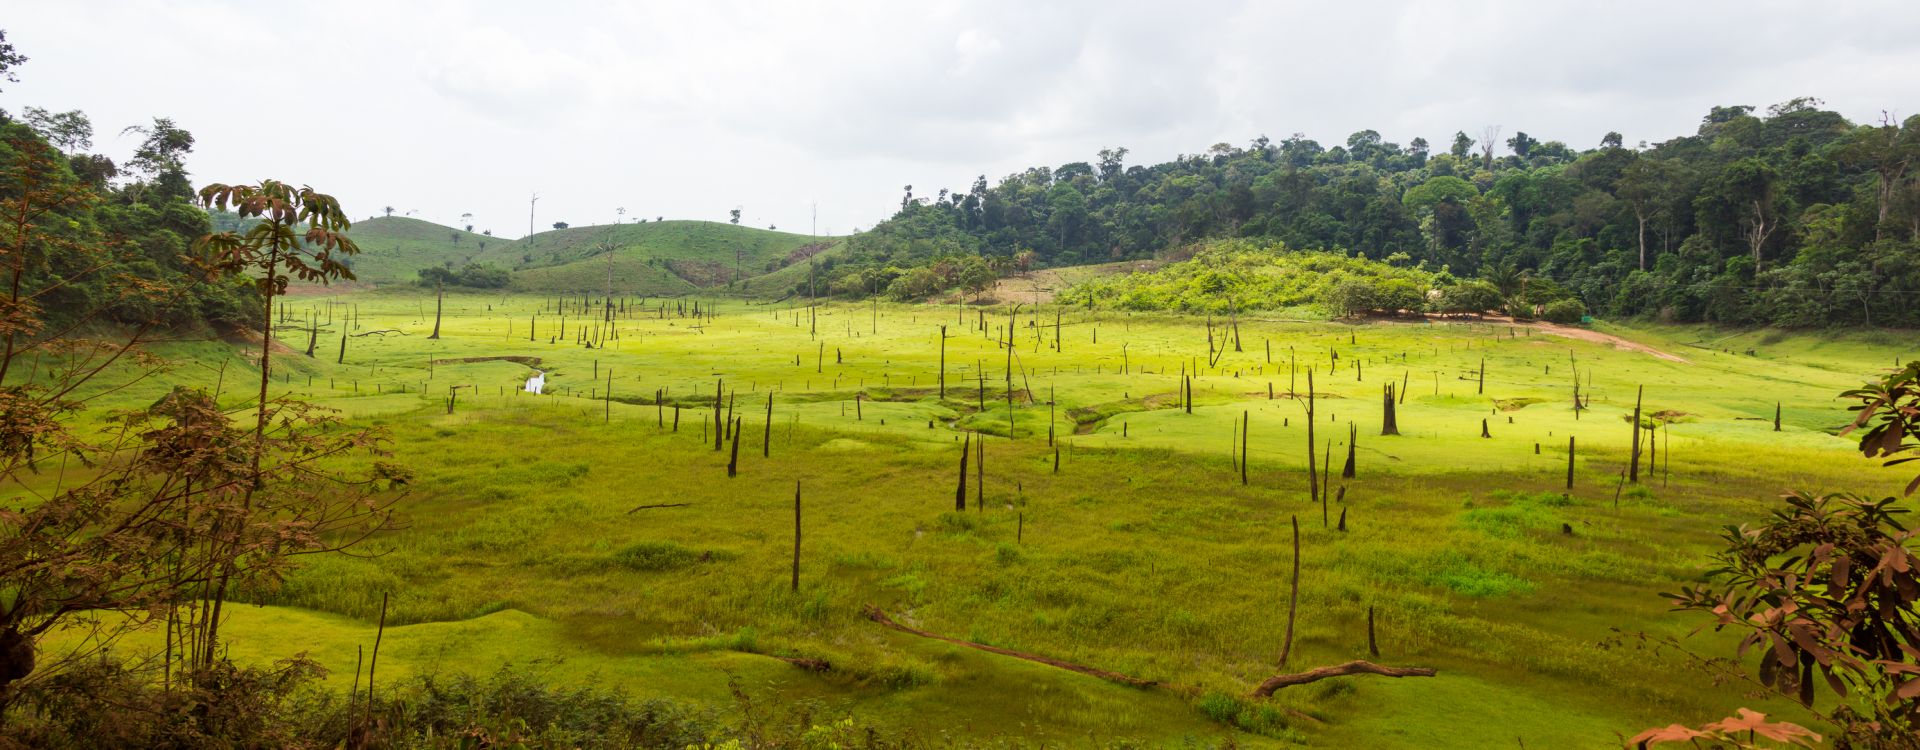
point(1792, 216)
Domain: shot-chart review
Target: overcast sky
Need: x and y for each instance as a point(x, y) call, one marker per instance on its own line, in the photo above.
point(687, 110)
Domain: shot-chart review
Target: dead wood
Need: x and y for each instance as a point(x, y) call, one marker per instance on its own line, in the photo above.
point(1357, 666)
point(661, 505)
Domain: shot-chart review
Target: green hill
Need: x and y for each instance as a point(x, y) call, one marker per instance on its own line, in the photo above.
point(394, 248)
point(668, 257)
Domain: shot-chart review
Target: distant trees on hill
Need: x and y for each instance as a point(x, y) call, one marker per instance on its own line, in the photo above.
point(1790, 216)
point(472, 275)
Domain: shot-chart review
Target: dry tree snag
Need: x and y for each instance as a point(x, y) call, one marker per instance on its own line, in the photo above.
point(1569, 462)
point(733, 461)
point(1633, 456)
point(960, 493)
point(1357, 666)
point(873, 613)
point(1390, 423)
point(1353, 441)
point(719, 426)
point(439, 296)
point(1313, 479)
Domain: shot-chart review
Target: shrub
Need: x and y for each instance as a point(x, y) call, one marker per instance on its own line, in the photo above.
point(1564, 311)
point(1468, 297)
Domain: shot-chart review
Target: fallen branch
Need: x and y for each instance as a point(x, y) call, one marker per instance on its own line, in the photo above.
point(1350, 668)
point(661, 505)
point(380, 333)
point(873, 613)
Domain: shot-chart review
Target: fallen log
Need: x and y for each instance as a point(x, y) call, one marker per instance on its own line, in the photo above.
point(379, 333)
point(873, 613)
point(661, 505)
point(806, 663)
point(1356, 666)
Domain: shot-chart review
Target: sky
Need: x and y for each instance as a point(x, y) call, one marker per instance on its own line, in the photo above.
point(790, 111)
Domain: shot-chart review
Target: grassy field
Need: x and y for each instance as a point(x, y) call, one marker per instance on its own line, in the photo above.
point(1144, 553)
point(664, 257)
point(393, 249)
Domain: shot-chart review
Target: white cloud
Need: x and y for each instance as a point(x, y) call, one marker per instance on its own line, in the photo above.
point(689, 109)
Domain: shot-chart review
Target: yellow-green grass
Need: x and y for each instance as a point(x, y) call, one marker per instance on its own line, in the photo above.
point(1144, 554)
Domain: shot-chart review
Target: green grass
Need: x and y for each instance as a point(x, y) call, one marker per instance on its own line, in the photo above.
point(654, 258)
point(394, 248)
point(1144, 554)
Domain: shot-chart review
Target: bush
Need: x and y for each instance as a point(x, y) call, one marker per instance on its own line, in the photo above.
point(1468, 297)
point(1564, 311)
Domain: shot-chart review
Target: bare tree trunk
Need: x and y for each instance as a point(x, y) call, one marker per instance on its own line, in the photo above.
point(1633, 465)
point(960, 494)
point(1389, 423)
point(1293, 594)
point(439, 298)
point(796, 536)
point(1313, 477)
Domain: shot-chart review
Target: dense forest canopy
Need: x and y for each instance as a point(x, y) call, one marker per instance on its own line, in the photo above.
point(124, 230)
point(1792, 216)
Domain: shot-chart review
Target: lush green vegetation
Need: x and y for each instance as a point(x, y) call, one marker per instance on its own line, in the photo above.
point(519, 544)
point(653, 258)
point(1004, 523)
point(1792, 217)
point(394, 249)
point(1239, 276)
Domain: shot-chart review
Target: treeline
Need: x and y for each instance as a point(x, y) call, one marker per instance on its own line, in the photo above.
point(110, 241)
point(471, 275)
point(1793, 216)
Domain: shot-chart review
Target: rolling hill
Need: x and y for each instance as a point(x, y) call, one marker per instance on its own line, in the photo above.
point(394, 248)
point(669, 257)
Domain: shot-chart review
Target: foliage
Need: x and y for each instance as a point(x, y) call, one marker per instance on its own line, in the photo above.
point(1737, 731)
point(1827, 587)
point(108, 703)
point(472, 275)
point(1566, 311)
point(172, 506)
point(1249, 275)
point(1889, 414)
point(1791, 217)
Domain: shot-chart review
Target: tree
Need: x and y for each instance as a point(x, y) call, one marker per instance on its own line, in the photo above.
point(161, 158)
point(561, 225)
point(1890, 150)
point(10, 60)
point(734, 216)
point(70, 131)
point(1751, 186)
point(1611, 140)
point(1462, 145)
point(180, 503)
point(1644, 185)
point(1521, 144)
point(389, 211)
point(466, 221)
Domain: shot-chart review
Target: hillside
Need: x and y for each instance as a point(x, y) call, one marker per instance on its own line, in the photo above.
point(394, 248)
point(651, 258)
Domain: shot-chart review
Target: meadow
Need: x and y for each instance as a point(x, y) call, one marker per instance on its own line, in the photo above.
point(596, 535)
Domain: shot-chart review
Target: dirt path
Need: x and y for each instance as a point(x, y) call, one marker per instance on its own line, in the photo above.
point(1597, 337)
